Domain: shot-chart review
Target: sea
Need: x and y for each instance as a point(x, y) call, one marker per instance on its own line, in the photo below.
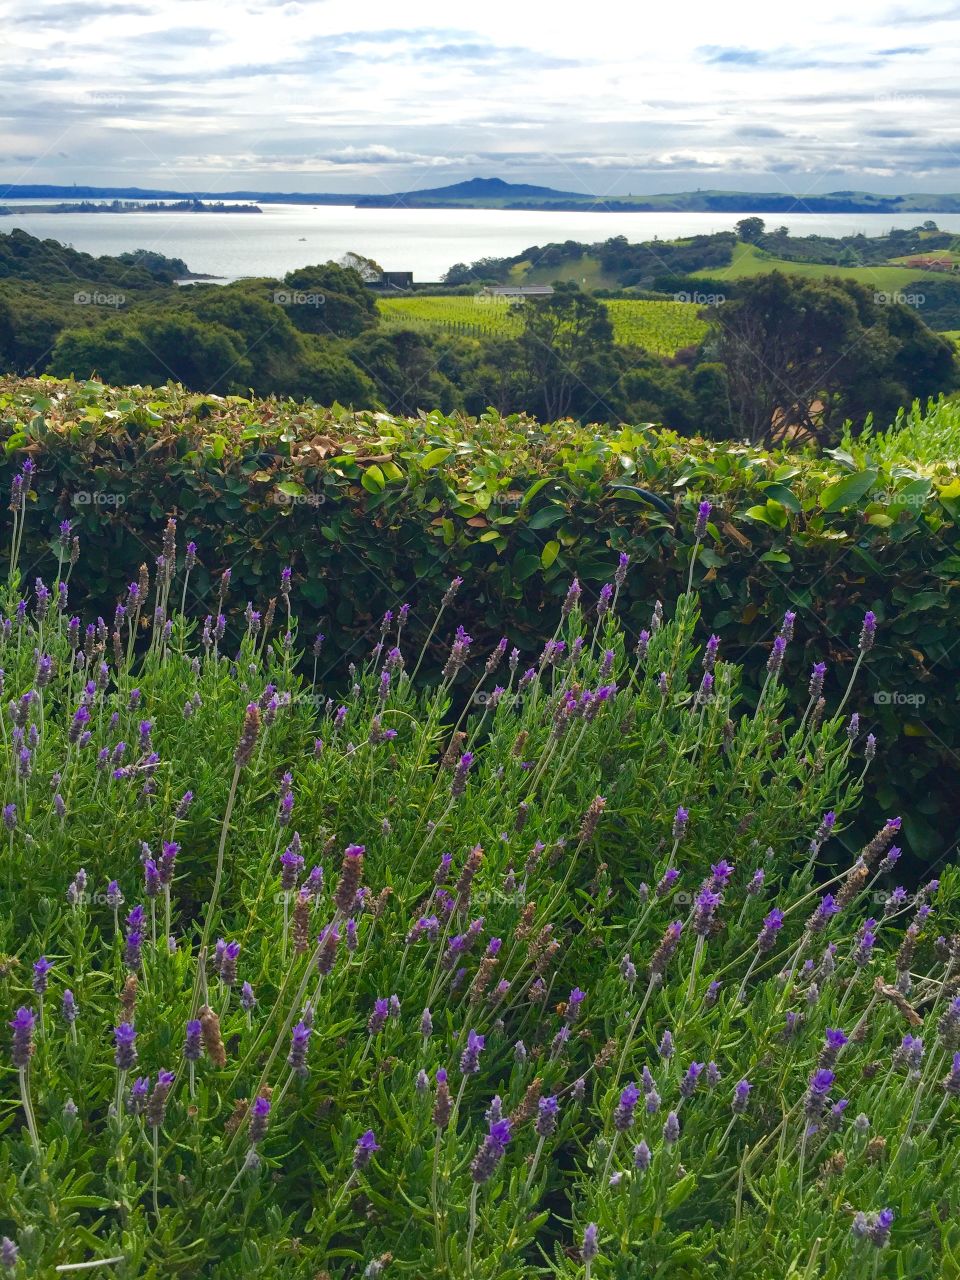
point(427, 242)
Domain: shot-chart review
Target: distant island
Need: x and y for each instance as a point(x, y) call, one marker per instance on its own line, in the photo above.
point(485, 193)
point(136, 206)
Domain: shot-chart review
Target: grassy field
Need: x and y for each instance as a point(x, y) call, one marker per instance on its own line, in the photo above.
point(587, 272)
point(749, 261)
point(661, 327)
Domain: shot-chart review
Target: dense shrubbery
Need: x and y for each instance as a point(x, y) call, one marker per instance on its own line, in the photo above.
point(557, 996)
point(368, 508)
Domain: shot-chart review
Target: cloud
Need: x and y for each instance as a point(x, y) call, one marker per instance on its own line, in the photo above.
point(83, 10)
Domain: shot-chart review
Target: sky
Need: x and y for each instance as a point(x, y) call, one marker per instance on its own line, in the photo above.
point(610, 98)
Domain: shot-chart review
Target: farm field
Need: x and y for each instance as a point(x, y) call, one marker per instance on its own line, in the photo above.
point(660, 327)
point(749, 261)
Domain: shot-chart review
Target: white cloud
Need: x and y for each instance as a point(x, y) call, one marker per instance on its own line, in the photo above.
point(368, 98)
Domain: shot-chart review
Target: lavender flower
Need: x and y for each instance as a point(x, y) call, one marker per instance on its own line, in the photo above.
point(378, 1018)
point(69, 1007)
point(547, 1112)
point(815, 1099)
point(491, 1151)
point(775, 660)
point(22, 1026)
point(470, 1058)
point(772, 924)
point(9, 1252)
point(741, 1094)
point(259, 1119)
point(459, 783)
point(623, 1114)
point(680, 822)
point(703, 515)
point(671, 1129)
point(868, 631)
point(364, 1150)
point(41, 969)
point(688, 1085)
point(125, 1052)
point(297, 1057)
point(157, 1102)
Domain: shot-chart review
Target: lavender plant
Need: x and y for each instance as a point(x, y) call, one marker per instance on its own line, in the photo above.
point(582, 982)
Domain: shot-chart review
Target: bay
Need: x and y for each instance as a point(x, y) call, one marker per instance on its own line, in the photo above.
point(424, 241)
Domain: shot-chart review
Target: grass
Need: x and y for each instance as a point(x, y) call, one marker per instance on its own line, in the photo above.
point(660, 327)
point(750, 261)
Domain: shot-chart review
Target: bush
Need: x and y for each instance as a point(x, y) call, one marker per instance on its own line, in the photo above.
point(370, 509)
point(558, 996)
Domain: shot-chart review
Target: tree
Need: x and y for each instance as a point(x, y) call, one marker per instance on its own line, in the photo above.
point(566, 349)
point(406, 368)
point(809, 353)
point(365, 268)
point(335, 301)
point(749, 230)
point(153, 349)
point(325, 375)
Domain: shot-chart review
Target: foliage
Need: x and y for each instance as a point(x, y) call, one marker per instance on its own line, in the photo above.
point(369, 506)
point(246, 1077)
point(658, 326)
point(806, 353)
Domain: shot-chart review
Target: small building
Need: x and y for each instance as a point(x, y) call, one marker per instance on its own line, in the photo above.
point(518, 290)
point(392, 280)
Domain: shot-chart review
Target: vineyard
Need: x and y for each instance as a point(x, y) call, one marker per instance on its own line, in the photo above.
point(660, 327)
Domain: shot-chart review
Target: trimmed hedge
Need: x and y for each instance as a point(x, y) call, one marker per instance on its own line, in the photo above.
point(372, 510)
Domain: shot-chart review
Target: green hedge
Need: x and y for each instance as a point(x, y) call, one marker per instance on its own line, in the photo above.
point(372, 510)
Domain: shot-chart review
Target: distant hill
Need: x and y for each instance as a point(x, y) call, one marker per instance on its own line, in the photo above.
point(495, 193)
point(480, 190)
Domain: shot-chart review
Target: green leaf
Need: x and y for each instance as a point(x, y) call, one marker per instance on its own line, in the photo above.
point(772, 513)
point(549, 554)
point(535, 489)
point(780, 493)
point(372, 479)
point(435, 457)
point(848, 491)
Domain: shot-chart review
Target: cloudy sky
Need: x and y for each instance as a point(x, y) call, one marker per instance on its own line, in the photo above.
point(336, 95)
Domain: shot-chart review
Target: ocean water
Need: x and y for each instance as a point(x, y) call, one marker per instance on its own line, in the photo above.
point(424, 241)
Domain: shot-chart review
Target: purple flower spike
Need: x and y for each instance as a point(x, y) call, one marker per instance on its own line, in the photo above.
point(671, 1129)
point(22, 1025)
point(703, 515)
point(491, 1151)
point(125, 1039)
point(41, 969)
point(680, 822)
point(297, 1057)
point(364, 1150)
point(624, 1112)
point(868, 632)
point(470, 1058)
